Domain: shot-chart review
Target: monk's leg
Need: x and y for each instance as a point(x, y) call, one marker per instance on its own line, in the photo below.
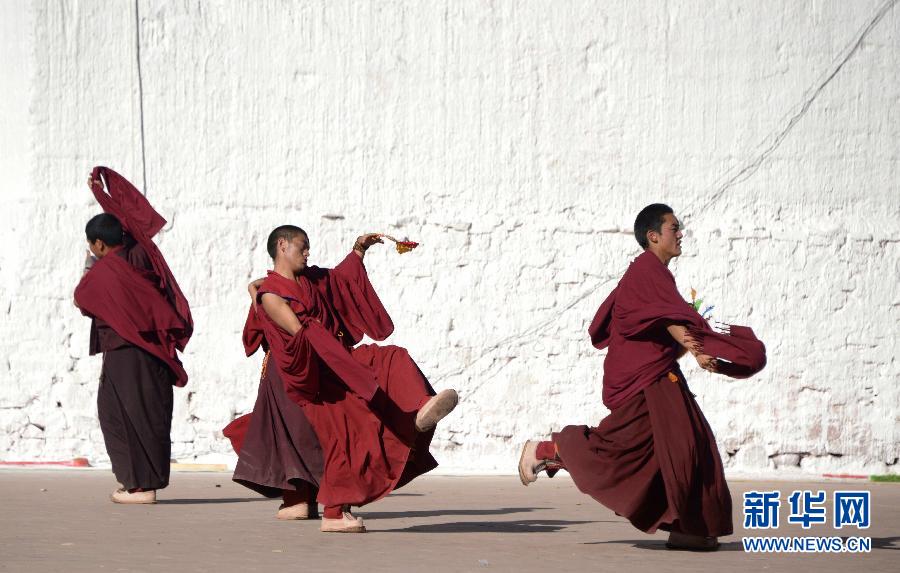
point(299, 503)
point(113, 426)
point(654, 461)
point(537, 457)
point(406, 401)
point(355, 470)
point(690, 466)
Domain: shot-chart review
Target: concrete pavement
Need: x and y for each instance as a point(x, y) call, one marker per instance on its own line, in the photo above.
point(60, 520)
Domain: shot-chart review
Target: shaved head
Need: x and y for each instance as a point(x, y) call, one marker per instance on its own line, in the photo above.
point(286, 232)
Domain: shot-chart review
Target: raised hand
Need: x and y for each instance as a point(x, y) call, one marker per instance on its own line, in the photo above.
point(363, 242)
point(367, 240)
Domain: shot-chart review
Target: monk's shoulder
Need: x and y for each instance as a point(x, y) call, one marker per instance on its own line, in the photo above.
point(274, 285)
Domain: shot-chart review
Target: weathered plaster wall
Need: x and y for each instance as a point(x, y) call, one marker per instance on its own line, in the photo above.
point(516, 141)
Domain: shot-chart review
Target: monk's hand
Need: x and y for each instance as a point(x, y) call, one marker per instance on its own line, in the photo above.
point(89, 260)
point(91, 182)
point(707, 362)
point(253, 288)
point(363, 242)
point(367, 240)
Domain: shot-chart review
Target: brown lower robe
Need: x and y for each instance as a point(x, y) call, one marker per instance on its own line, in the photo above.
point(277, 449)
point(654, 461)
point(134, 405)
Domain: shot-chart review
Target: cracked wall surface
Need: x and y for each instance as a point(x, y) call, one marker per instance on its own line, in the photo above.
point(516, 141)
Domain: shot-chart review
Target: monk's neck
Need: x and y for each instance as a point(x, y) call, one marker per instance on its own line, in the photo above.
point(286, 272)
point(664, 259)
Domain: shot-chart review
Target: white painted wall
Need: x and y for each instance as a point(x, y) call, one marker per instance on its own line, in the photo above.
point(516, 141)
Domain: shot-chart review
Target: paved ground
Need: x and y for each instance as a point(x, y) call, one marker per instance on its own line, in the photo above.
point(60, 521)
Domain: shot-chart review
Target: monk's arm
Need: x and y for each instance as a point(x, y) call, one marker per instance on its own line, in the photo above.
point(279, 311)
point(683, 337)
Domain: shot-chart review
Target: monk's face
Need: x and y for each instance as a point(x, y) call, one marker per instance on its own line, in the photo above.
point(667, 242)
point(295, 252)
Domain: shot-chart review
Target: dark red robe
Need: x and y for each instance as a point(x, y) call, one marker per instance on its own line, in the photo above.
point(654, 458)
point(632, 322)
point(141, 221)
point(143, 306)
point(361, 401)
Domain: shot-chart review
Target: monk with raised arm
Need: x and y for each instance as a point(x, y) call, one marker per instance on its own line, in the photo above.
point(140, 320)
point(370, 407)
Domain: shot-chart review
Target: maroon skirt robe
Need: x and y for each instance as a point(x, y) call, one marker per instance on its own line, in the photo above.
point(654, 461)
point(134, 407)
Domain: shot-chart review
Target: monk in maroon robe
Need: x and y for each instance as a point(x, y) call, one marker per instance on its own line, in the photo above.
point(370, 407)
point(139, 321)
point(654, 458)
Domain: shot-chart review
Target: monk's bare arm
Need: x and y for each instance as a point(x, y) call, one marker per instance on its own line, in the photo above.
point(683, 337)
point(279, 311)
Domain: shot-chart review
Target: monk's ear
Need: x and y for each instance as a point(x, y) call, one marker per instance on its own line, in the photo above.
point(100, 247)
point(652, 236)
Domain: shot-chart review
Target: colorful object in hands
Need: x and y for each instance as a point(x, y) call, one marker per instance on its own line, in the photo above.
point(696, 303)
point(402, 246)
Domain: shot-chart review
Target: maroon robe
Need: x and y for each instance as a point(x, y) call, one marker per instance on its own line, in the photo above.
point(144, 306)
point(360, 401)
point(126, 300)
point(654, 458)
point(138, 218)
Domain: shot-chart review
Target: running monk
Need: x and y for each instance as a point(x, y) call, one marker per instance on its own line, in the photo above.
point(654, 458)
